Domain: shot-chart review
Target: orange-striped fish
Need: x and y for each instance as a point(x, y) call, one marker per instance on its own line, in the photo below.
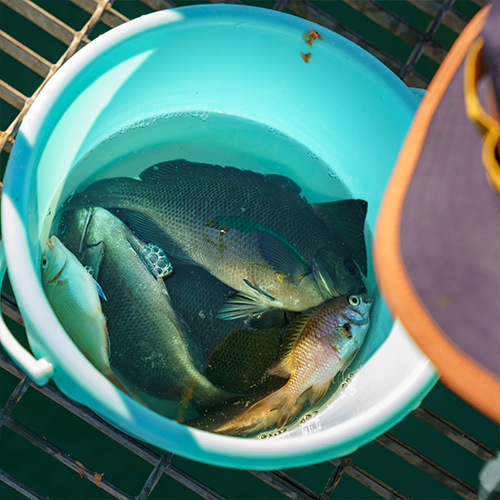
point(74, 296)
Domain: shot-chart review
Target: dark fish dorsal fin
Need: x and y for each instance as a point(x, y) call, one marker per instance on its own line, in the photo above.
point(323, 279)
point(347, 219)
point(178, 169)
point(183, 169)
point(284, 183)
point(294, 330)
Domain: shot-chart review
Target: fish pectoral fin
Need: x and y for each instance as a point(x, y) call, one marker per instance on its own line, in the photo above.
point(99, 289)
point(348, 361)
point(258, 292)
point(153, 257)
point(281, 256)
point(316, 392)
point(347, 219)
point(241, 305)
point(150, 230)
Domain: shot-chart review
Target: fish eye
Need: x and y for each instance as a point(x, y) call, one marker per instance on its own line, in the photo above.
point(347, 327)
point(354, 300)
point(44, 262)
point(350, 267)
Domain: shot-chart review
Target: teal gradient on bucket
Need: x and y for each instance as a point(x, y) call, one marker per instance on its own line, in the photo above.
point(343, 104)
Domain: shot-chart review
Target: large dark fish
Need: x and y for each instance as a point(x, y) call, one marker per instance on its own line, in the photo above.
point(254, 232)
point(152, 351)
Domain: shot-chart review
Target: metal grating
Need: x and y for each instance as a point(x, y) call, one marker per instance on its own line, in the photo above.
point(413, 50)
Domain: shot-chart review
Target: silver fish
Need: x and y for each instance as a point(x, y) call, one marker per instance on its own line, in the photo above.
point(74, 296)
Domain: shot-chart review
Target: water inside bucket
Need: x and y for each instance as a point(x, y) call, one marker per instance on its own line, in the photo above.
point(225, 140)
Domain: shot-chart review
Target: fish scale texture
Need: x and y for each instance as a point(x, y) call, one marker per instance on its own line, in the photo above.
point(238, 225)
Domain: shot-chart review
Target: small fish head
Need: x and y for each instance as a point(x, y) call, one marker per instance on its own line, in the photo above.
point(71, 227)
point(357, 308)
point(336, 275)
point(53, 260)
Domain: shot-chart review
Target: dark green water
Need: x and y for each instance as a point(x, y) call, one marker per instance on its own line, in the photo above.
point(81, 441)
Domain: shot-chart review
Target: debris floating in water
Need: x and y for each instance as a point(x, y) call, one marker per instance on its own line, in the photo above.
point(310, 36)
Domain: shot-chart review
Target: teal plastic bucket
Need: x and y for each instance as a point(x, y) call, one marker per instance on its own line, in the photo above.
point(201, 62)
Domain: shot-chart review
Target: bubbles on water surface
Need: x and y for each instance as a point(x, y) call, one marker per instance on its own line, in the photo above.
point(272, 434)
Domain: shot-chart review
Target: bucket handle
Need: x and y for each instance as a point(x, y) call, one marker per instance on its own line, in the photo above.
point(39, 370)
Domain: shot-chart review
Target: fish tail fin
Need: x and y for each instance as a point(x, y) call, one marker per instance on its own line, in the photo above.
point(187, 395)
point(114, 379)
point(257, 418)
point(200, 392)
point(274, 411)
point(241, 305)
point(281, 402)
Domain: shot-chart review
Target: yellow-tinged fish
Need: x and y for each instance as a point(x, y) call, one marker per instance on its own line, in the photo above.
point(319, 344)
point(74, 296)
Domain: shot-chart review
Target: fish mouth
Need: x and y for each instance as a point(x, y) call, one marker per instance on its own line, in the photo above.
point(50, 243)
